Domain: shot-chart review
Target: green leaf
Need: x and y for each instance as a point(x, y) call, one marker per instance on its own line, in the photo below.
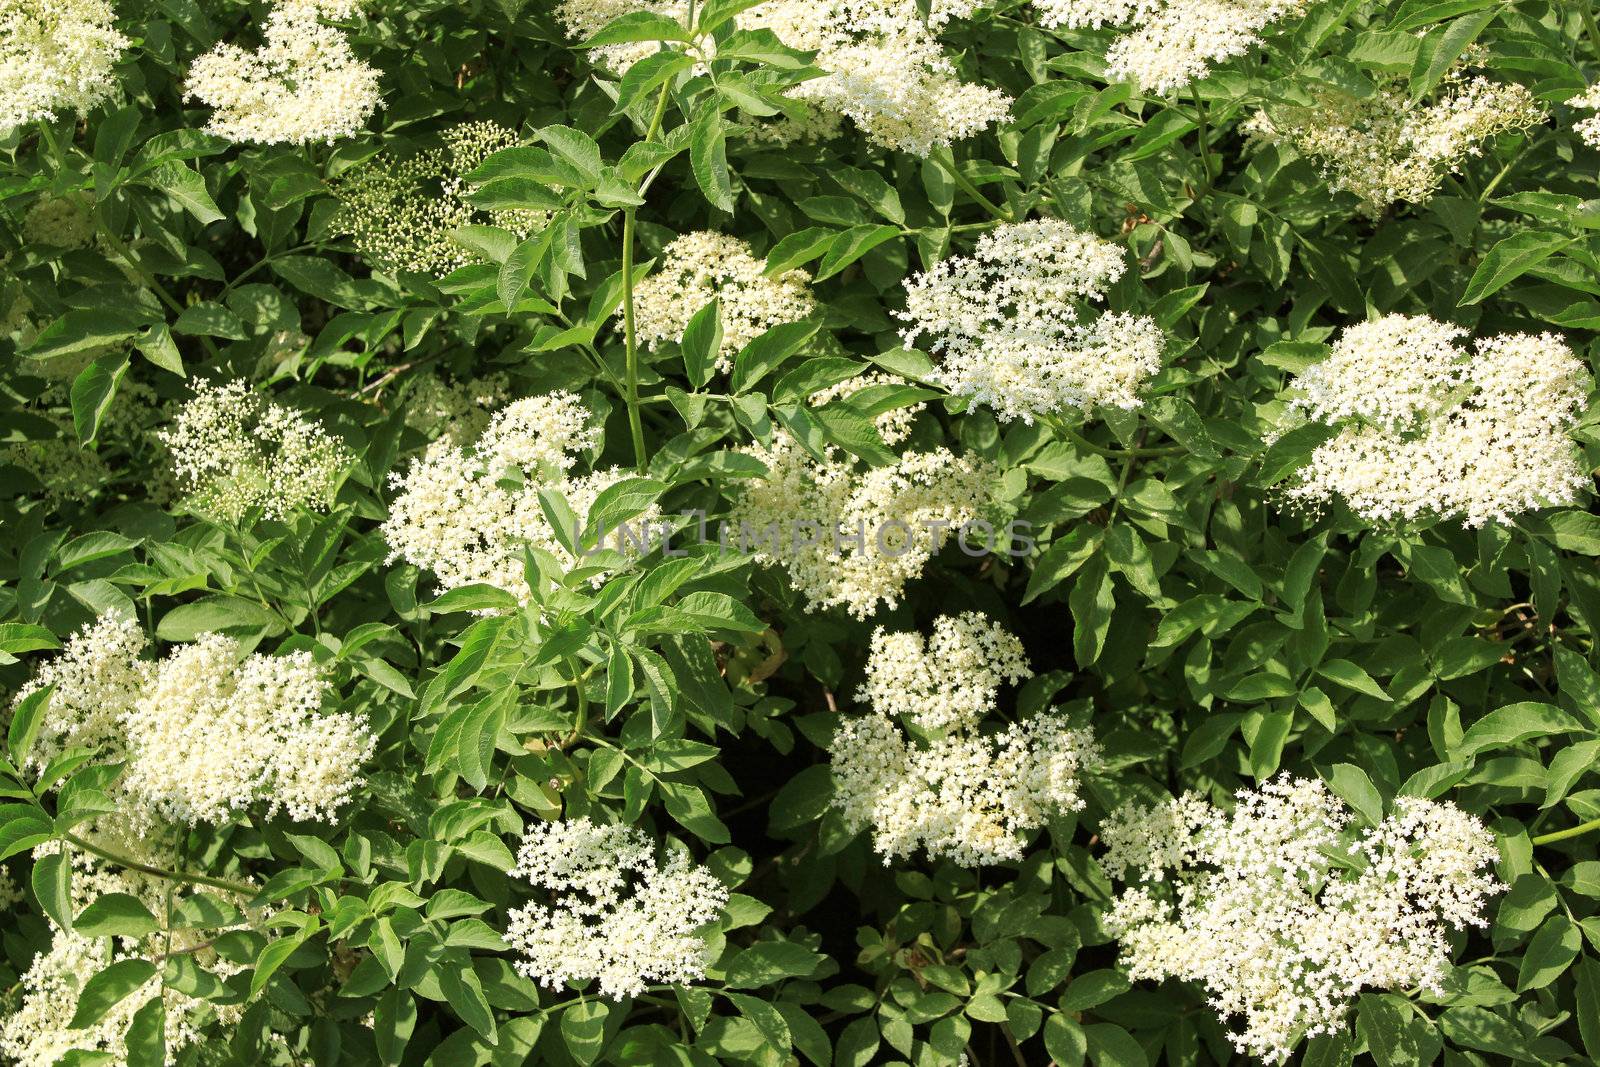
point(116, 915)
point(767, 352)
point(93, 390)
point(708, 158)
point(26, 718)
point(186, 187)
point(1547, 957)
point(52, 885)
point(638, 26)
point(1443, 46)
point(217, 614)
point(583, 1030)
point(1509, 260)
point(108, 988)
point(851, 245)
point(271, 958)
point(769, 962)
point(702, 344)
point(1357, 790)
point(1514, 724)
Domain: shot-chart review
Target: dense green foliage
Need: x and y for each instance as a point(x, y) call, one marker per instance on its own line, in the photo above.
point(1211, 635)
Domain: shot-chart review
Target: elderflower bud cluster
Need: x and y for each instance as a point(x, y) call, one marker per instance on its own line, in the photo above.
point(55, 55)
point(1426, 429)
point(614, 914)
point(455, 411)
point(949, 785)
point(1284, 911)
point(233, 450)
point(1588, 127)
point(38, 1032)
point(467, 513)
point(304, 84)
point(850, 537)
point(1387, 147)
point(1171, 43)
point(700, 267)
point(60, 221)
point(400, 212)
point(1008, 323)
point(204, 734)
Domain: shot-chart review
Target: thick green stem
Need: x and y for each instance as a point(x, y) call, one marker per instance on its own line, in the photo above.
point(630, 337)
point(1063, 430)
point(1562, 835)
point(243, 888)
point(1206, 159)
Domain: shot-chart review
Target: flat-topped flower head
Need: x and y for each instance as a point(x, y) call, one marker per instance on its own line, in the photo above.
point(467, 511)
point(1010, 324)
point(232, 450)
point(612, 913)
point(55, 56)
point(1588, 127)
point(400, 213)
point(949, 784)
point(1429, 429)
point(1284, 911)
point(851, 537)
point(700, 267)
point(207, 733)
point(1389, 147)
point(304, 84)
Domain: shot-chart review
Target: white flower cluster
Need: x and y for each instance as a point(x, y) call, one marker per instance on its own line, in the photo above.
point(303, 84)
point(1428, 430)
point(204, 734)
point(949, 785)
point(699, 267)
point(1252, 905)
point(615, 914)
point(400, 212)
point(233, 450)
point(55, 55)
point(1007, 322)
point(1172, 42)
point(1588, 127)
point(37, 1034)
point(457, 411)
point(466, 513)
point(849, 537)
point(1388, 147)
point(886, 70)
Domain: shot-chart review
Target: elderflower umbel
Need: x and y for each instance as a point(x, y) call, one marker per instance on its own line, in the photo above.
point(303, 84)
point(614, 914)
point(455, 411)
point(1006, 322)
point(37, 1033)
point(952, 787)
point(1250, 904)
point(400, 213)
point(204, 734)
point(700, 267)
point(55, 55)
point(1170, 43)
point(1425, 429)
point(467, 512)
point(1588, 127)
point(851, 537)
point(233, 449)
point(1387, 147)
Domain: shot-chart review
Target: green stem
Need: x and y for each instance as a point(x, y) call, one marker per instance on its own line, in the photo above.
point(243, 888)
point(581, 678)
point(1562, 835)
point(1206, 160)
point(630, 337)
point(1586, 9)
point(1078, 439)
point(947, 160)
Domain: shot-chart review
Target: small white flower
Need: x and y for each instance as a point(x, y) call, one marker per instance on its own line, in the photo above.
point(55, 55)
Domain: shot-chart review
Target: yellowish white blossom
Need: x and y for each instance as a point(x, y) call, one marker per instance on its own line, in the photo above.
point(233, 450)
point(851, 537)
point(1007, 322)
point(455, 410)
point(55, 55)
point(1388, 147)
point(304, 84)
point(1427, 429)
point(952, 786)
point(699, 267)
point(614, 914)
point(205, 734)
point(466, 513)
point(400, 212)
point(1252, 905)
point(1588, 127)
